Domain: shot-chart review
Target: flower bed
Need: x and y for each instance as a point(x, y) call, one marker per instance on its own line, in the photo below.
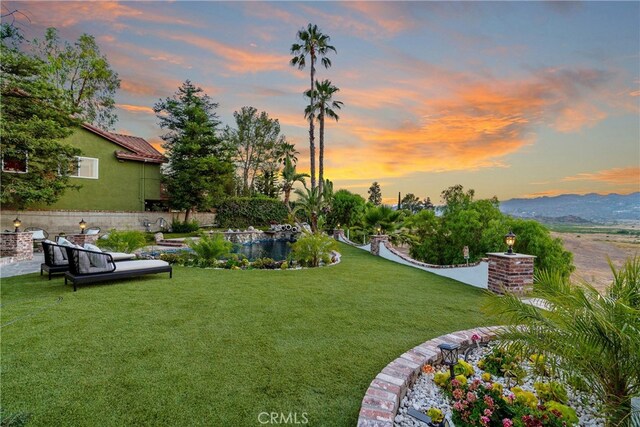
point(495, 389)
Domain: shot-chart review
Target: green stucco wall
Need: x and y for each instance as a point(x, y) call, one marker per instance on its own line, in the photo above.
point(121, 185)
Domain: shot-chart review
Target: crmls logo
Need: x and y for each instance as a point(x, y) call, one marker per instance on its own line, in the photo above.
point(282, 418)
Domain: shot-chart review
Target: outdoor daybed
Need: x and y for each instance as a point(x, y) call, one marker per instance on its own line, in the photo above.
point(55, 258)
point(87, 266)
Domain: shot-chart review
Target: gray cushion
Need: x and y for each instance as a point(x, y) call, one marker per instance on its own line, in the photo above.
point(121, 256)
point(96, 260)
point(64, 242)
point(139, 265)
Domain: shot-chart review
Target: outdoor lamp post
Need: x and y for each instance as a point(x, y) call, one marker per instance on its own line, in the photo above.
point(83, 226)
point(449, 356)
point(379, 231)
point(510, 240)
point(17, 223)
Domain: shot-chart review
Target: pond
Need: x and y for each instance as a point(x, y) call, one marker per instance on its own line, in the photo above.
point(278, 250)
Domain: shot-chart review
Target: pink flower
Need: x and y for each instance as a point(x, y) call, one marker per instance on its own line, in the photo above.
point(471, 397)
point(488, 400)
point(507, 423)
point(457, 394)
point(475, 337)
point(484, 420)
point(458, 406)
point(455, 383)
point(488, 412)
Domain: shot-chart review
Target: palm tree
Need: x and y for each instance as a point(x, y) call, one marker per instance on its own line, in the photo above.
point(289, 177)
point(591, 339)
point(313, 203)
point(315, 44)
point(324, 106)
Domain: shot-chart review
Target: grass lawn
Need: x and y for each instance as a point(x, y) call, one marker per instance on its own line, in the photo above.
point(218, 347)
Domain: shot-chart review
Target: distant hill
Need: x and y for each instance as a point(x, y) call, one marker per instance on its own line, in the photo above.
point(591, 207)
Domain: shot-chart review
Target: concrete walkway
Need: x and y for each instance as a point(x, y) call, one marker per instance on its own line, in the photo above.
point(22, 267)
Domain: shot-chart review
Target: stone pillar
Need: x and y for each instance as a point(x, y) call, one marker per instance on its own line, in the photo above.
point(337, 233)
point(510, 273)
point(17, 246)
point(376, 241)
point(81, 239)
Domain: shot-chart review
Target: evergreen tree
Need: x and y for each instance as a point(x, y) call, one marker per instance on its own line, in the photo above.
point(32, 124)
point(375, 194)
point(200, 169)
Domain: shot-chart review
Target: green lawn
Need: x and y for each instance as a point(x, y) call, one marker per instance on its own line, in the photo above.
point(218, 347)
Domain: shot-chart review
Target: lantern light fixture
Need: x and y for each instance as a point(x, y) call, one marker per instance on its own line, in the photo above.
point(510, 240)
point(450, 356)
point(83, 226)
point(17, 223)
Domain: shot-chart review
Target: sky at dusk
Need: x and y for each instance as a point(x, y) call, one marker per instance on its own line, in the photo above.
point(513, 99)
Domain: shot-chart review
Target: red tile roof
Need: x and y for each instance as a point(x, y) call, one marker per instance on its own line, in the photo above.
point(141, 150)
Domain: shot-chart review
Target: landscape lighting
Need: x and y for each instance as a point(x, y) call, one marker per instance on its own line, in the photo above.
point(83, 226)
point(17, 223)
point(449, 356)
point(510, 240)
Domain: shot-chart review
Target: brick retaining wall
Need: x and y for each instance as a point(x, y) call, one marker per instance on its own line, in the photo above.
point(382, 399)
point(16, 246)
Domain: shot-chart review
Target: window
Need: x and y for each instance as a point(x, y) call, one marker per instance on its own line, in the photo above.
point(87, 167)
point(16, 164)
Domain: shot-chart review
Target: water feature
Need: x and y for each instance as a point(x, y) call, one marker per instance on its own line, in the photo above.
point(277, 250)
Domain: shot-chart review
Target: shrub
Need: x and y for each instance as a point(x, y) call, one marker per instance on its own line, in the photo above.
point(123, 241)
point(551, 391)
point(210, 248)
point(312, 248)
point(184, 227)
point(463, 368)
point(241, 212)
point(264, 263)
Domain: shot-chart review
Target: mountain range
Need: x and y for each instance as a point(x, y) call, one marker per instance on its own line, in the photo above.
point(592, 207)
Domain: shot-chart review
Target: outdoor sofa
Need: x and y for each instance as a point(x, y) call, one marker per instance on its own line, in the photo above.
point(87, 266)
point(55, 258)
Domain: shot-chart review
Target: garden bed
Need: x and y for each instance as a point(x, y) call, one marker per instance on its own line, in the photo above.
point(486, 399)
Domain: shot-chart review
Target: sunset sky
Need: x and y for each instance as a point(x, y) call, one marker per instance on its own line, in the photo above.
point(514, 99)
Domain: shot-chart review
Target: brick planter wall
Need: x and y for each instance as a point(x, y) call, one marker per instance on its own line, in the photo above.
point(17, 246)
point(382, 399)
point(510, 273)
point(81, 239)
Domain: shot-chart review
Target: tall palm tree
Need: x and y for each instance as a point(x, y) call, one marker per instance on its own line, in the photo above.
point(324, 106)
point(311, 42)
point(289, 177)
point(591, 339)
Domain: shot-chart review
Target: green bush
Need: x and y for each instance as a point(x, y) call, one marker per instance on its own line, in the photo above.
point(210, 248)
point(123, 241)
point(265, 263)
point(242, 212)
point(312, 248)
point(184, 227)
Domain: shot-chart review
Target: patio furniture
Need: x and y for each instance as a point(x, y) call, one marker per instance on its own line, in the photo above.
point(55, 258)
point(87, 266)
point(92, 231)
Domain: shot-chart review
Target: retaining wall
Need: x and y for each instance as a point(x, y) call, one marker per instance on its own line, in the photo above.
point(67, 221)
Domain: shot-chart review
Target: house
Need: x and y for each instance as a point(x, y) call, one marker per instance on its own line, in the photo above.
point(117, 173)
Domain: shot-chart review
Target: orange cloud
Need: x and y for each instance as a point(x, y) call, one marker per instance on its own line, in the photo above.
point(238, 60)
point(618, 176)
point(386, 16)
point(136, 108)
point(67, 14)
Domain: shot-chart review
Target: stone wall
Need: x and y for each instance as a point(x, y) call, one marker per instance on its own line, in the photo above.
point(376, 241)
point(510, 273)
point(67, 221)
point(16, 246)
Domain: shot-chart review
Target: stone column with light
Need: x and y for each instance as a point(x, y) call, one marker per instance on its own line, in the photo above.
point(81, 239)
point(338, 233)
point(16, 246)
point(512, 273)
point(376, 241)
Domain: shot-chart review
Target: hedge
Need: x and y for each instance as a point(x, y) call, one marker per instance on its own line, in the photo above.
point(241, 212)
